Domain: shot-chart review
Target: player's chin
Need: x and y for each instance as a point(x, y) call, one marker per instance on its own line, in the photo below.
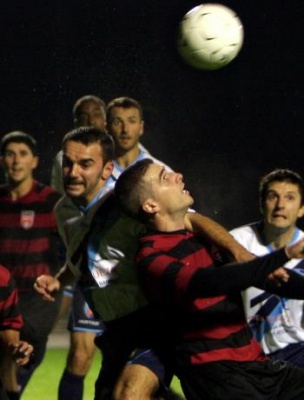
point(73, 192)
point(125, 144)
point(191, 201)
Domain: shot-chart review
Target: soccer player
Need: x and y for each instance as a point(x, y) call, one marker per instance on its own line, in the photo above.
point(200, 319)
point(276, 321)
point(100, 253)
point(88, 110)
point(13, 350)
point(29, 241)
point(126, 126)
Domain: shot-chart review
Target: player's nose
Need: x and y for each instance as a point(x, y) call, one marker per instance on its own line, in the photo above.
point(73, 170)
point(280, 202)
point(179, 177)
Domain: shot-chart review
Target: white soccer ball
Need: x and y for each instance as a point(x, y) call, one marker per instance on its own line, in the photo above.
point(210, 36)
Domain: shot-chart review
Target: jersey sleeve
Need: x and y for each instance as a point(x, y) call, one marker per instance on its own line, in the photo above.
point(10, 317)
point(163, 275)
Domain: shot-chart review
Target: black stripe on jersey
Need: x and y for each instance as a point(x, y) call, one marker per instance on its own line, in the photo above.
point(185, 248)
point(239, 339)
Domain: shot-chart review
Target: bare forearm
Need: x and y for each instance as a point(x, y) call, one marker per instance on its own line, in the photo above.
point(216, 234)
point(9, 336)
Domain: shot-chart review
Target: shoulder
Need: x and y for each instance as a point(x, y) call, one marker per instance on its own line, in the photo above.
point(245, 230)
point(301, 233)
point(58, 157)
point(46, 193)
point(250, 238)
point(65, 208)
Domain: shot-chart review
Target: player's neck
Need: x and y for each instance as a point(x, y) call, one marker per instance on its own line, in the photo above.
point(124, 160)
point(278, 238)
point(169, 223)
point(20, 189)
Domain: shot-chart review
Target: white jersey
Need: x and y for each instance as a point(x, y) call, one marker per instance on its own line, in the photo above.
point(276, 321)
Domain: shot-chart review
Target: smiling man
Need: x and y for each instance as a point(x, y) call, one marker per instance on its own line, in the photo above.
point(29, 242)
point(276, 321)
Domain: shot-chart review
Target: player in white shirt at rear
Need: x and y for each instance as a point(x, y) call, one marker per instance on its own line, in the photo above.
point(276, 321)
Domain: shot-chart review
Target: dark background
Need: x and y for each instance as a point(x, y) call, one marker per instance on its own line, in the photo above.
point(223, 129)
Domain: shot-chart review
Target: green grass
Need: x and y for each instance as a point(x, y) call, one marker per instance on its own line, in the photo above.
point(44, 383)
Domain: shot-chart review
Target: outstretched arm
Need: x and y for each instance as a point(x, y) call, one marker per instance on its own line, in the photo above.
point(215, 281)
point(217, 235)
point(160, 273)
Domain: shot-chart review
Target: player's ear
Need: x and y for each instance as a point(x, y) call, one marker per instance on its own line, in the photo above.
point(301, 211)
point(142, 127)
point(150, 206)
point(262, 207)
point(35, 162)
point(107, 170)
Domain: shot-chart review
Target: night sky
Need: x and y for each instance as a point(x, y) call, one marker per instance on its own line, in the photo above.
point(222, 129)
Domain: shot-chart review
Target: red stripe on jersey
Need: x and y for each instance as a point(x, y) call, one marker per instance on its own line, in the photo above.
point(10, 317)
point(250, 352)
point(30, 271)
point(216, 331)
point(207, 302)
point(24, 246)
point(39, 220)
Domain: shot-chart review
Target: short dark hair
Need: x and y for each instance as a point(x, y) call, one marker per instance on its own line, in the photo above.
point(280, 175)
point(89, 97)
point(130, 191)
point(124, 102)
point(19, 137)
point(88, 135)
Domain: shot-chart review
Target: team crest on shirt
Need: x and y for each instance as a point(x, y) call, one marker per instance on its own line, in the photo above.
point(27, 218)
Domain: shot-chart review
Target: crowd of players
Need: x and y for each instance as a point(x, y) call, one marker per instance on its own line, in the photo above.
point(68, 245)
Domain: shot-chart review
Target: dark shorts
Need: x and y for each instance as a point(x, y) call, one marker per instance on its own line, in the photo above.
point(81, 317)
point(264, 380)
point(293, 353)
point(150, 359)
point(121, 345)
point(39, 316)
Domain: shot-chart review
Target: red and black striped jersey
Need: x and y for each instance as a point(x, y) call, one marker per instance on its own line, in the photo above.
point(29, 241)
point(10, 317)
point(202, 296)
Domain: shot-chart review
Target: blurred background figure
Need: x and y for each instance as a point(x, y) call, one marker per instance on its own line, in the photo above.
point(29, 242)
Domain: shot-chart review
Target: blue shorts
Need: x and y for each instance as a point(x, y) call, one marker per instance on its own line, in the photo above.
point(81, 317)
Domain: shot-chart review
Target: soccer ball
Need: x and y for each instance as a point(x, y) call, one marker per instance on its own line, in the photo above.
point(210, 36)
